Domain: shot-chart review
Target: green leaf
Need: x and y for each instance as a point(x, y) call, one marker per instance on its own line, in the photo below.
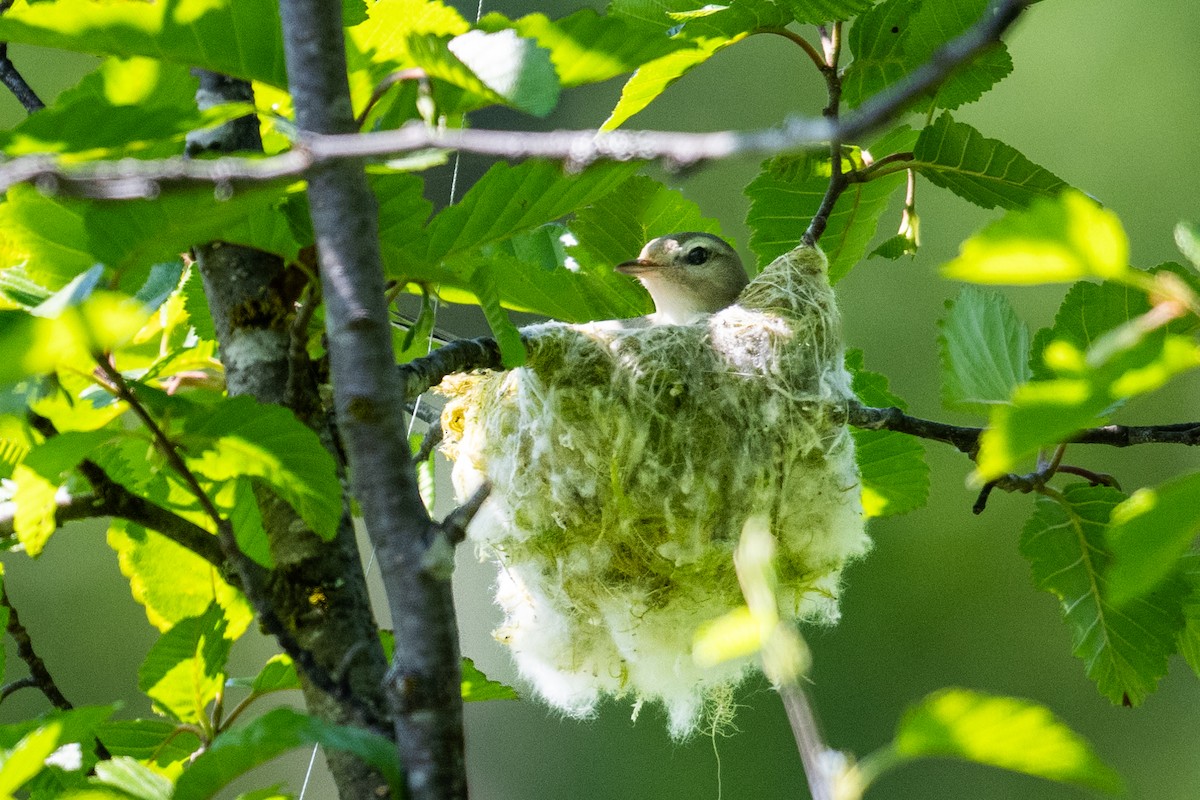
point(1088, 311)
point(1124, 650)
point(1189, 636)
point(986, 172)
point(133, 778)
point(21, 763)
point(242, 39)
point(788, 191)
point(240, 437)
point(3, 626)
point(1149, 533)
point(895, 477)
point(483, 285)
point(171, 582)
point(509, 199)
point(897, 36)
point(236, 751)
point(537, 271)
point(128, 107)
point(984, 351)
point(477, 687)
point(149, 739)
point(277, 675)
point(63, 237)
point(877, 42)
point(469, 68)
point(586, 47)
point(818, 11)
point(1004, 732)
point(185, 669)
point(1054, 240)
point(39, 477)
point(707, 33)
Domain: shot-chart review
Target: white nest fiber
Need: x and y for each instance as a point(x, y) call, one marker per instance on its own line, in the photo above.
point(624, 462)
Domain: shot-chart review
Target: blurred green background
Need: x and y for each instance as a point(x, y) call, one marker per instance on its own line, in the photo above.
point(1105, 94)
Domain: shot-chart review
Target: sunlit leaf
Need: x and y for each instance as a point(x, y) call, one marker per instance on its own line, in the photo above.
point(586, 47)
point(133, 779)
point(240, 437)
point(984, 350)
point(1124, 649)
point(1149, 533)
point(983, 171)
point(171, 582)
point(39, 477)
point(242, 39)
point(241, 749)
point(278, 674)
point(1004, 732)
point(1088, 311)
point(895, 477)
point(184, 670)
point(27, 758)
point(707, 33)
point(1055, 240)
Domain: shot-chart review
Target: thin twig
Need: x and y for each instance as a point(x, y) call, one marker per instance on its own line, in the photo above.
point(463, 355)
point(838, 180)
point(805, 44)
point(137, 178)
point(456, 522)
point(37, 668)
point(15, 83)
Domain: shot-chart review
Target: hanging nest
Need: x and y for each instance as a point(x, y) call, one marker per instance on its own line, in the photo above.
point(624, 462)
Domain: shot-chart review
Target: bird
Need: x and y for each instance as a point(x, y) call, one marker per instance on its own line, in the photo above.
point(688, 275)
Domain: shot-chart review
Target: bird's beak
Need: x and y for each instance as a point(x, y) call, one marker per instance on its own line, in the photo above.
point(637, 266)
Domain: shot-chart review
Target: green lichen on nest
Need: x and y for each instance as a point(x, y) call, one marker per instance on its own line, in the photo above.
point(624, 463)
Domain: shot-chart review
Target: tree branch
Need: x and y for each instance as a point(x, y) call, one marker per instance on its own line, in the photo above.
point(136, 179)
point(15, 83)
point(463, 355)
point(423, 685)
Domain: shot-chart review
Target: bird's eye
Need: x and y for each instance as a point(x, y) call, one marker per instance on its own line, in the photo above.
point(697, 255)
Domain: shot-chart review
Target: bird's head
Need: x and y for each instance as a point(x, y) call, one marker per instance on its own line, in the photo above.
point(688, 275)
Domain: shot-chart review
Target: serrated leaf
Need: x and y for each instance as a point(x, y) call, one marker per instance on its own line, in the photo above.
point(236, 751)
point(477, 687)
point(1124, 650)
point(171, 582)
point(876, 41)
point(39, 477)
point(1148, 535)
point(1004, 732)
point(586, 47)
point(891, 465)
point(153, 740)
point(63, 237)
point(1189, 636)
point(1053, 240)
point(509, 199)
point(788, 191)
point(984, 171)
point(1088, 311)
point(818, 11)
point(708, 35)
point(984, 350)
point(242, 39)
point(514, 68)
point(533, 271)
point(240, 437)
point(184, 670)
